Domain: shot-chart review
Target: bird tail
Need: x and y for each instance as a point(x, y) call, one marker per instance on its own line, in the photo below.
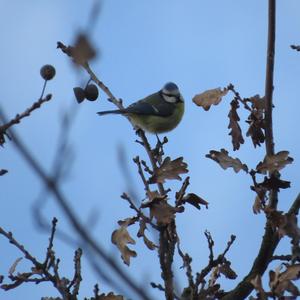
point(117, 111)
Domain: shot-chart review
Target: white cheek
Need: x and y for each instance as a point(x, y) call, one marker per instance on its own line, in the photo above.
point(170, 99)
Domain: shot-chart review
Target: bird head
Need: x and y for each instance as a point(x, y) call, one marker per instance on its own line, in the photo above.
point(170, 92)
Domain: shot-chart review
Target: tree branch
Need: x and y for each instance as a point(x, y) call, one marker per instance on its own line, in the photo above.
point(270, 238)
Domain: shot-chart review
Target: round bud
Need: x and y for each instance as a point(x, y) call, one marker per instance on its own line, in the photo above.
point(91, 92)
point(47, 72)
point(79, 94)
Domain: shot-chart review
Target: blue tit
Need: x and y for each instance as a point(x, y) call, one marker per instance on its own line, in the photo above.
point(157, 113)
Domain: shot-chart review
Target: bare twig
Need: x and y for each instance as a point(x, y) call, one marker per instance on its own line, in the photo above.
point(161, 288)
point(230, 87)
point(141, 173)
point(17, 119)
point(282, 257)
point(63, 203)
point(212, 261)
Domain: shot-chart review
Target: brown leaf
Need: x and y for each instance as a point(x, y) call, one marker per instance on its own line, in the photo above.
point(256, 127)
point(281, 282)
point(141, 233)
point(209, 98)
point(235, 132)
point(225, 161)
point(163, 212)
point(257, 205)
point(292, 272)
point(194, 200)
point(285, 223)
point(13, 267)
point(274, 162)
point(120, 237)
point(169, 169)
point(258, 102)
point(274, 183)
point(289, 227)
point(83, 51)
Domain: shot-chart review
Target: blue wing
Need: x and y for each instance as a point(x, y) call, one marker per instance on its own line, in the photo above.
point(151, 107)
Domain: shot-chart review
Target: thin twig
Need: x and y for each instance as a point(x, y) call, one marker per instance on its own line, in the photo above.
point(63, 203)
point(17, 119)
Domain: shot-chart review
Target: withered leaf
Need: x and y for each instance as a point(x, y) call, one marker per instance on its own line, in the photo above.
point(281, 282)
point(13, 267)
point(141, 233)
point(120, 237)
point(274, 183)
point(289, 227)
point(256, 127)
point(194, 200)
point(274, 162)
point(169, 169)
point(292, 272)
point(259, 202)
point(163, 212)
point(285, 223)
point(235, 129)
point(258, 102)
point(209, 98)
point(226, 161)
point(83, 50)
point(257, 205)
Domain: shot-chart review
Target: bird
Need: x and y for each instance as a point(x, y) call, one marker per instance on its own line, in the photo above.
point(157, 113)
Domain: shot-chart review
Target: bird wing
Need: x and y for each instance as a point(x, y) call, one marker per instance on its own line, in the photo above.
point(151, 107)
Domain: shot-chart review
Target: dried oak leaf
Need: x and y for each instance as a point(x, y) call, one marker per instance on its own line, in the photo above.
point(13, 267)
point(169, 169)
point(163, 212)
point(257, 205)
point(141, 233)
point(194, 200)
point(292, 272)
point(256, 127)
point(120, 237)
point(81, 52)
point(257, 102)
point(289, 227)
point(281, 282)
point(274, 183)
point(235, 129)
point(259, 202)
point(226, 161)
point(274, 162)
point(209, 98)
point(286, 224)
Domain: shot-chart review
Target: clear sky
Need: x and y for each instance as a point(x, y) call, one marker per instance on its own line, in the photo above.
point(142, 45)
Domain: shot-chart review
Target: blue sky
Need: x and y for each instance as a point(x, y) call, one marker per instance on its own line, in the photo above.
point(143, 44)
